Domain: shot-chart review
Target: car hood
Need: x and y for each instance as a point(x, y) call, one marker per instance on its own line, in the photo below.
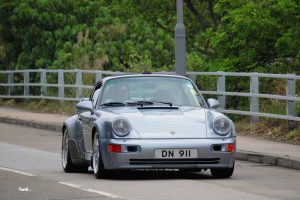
point(166, 122)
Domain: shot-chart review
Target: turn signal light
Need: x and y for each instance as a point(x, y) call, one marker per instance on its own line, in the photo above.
point(230, 147)
point(115, 148)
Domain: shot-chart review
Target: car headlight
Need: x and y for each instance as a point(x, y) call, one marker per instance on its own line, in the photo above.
point(222, 126)
point(121, 127)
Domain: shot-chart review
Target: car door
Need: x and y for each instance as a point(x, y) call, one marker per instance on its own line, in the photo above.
point(87, 120)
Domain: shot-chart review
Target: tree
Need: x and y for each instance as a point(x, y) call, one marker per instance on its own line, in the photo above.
point(228, 35)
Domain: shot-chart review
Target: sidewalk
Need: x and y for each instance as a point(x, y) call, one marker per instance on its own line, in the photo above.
point(248, 148)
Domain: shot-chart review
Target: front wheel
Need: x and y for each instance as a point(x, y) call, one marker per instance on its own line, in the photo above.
point(222, 172)
point(98, 166)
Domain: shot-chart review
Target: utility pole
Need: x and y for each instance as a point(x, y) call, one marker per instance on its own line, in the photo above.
point(180, 49)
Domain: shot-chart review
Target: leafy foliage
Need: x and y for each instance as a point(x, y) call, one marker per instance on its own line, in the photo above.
point(258, 36)
point(222, 35)
point(116, 35)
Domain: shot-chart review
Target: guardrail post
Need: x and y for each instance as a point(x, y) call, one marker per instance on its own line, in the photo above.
point(291, 105)
point(10, 80)
point(61, 88)
point(43, 80)
point(26, 82)
point(254, 101)
point(78, 83)
point(221, 88)
point(193, 78)
point(98, 76)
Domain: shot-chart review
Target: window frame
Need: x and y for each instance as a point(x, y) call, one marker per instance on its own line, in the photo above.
point(98, 86)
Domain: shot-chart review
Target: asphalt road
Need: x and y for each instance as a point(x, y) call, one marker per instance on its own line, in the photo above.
point(30, 169)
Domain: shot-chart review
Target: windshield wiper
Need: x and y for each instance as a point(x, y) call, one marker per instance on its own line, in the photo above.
point(113, 104)
point(142, 103)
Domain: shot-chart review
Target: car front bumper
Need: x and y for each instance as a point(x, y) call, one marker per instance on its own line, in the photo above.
point(141, 153)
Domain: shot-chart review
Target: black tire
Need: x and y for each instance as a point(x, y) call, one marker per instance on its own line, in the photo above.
point(222, 172)
point(67, 163)
point(97, 163)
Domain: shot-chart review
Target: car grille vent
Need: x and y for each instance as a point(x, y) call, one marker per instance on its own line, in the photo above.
point(174, 161)
point(158, 108)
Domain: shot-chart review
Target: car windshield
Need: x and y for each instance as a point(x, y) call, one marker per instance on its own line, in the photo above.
point(164, 91)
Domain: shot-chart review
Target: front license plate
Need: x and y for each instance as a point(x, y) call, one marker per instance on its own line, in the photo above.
point(176, 153)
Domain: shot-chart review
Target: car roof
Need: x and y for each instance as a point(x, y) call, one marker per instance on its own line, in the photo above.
point(141, 75)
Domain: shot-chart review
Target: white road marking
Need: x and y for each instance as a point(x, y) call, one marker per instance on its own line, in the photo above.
point(106, 194)
point(16, 171)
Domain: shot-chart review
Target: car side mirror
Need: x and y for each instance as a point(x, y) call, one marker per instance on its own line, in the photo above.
point(85, 106)
point(213, 103)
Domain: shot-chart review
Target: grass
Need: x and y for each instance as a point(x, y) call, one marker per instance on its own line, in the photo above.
point(270, 129)
point(273, 106)
point(42, 106)
point(294, 134)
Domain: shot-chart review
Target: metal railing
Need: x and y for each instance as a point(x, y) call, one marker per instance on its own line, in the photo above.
point(60, 83)
point(79, 85)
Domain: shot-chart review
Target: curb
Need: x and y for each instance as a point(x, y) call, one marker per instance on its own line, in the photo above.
point(32, 124)
point(286, 162)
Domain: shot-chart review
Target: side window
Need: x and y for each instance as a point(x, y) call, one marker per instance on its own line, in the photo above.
point(95, 95)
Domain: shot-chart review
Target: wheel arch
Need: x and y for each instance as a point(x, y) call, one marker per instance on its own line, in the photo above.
point(71, 125)
point(99, 128)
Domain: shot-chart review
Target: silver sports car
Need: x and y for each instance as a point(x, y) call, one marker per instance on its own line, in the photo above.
point(148, 121)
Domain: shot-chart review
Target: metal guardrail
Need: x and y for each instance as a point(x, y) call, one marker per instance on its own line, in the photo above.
point(44, 85)
point(290, 97)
